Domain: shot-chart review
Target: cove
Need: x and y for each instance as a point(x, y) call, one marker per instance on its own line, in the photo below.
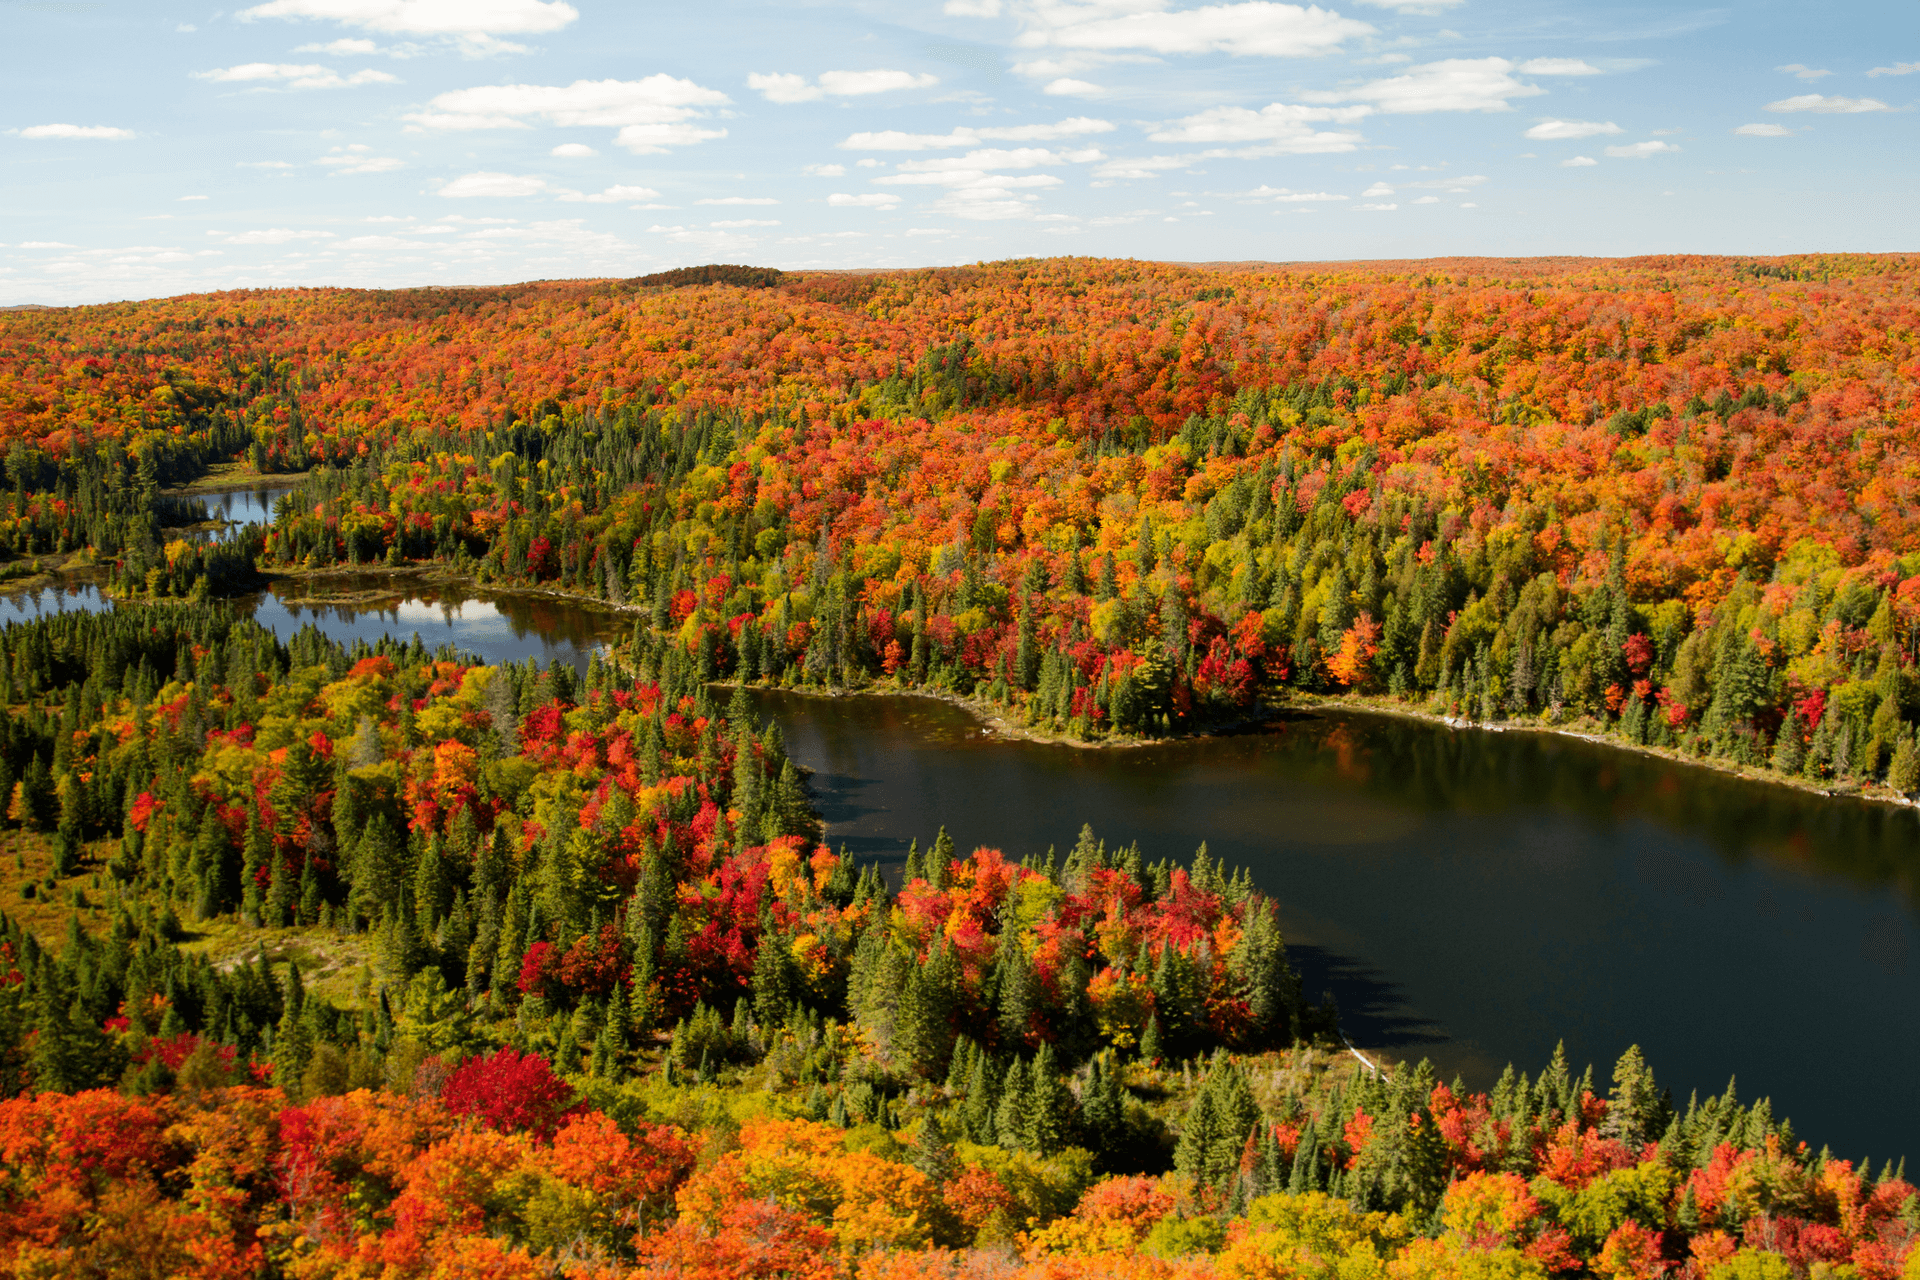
point(1474, 897)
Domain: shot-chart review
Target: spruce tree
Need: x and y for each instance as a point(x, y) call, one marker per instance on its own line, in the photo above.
point(1051, 1119)
point(258, 853)
point(1017, 993)
point(932, 1151)
point(773, 979)
point(1010, 1116)
point(69, 1050)
point(983, 1100)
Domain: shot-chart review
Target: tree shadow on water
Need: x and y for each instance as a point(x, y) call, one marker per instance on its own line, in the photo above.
point(836, 798)
point(1373, 1009)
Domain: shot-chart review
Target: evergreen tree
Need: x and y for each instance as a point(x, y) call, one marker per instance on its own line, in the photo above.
point(1010, 1116)
point(932, 1151)
point(292, 1040)
point(379, 869)
point(69, 1050)
point(773, 979)
point(1050, 1119)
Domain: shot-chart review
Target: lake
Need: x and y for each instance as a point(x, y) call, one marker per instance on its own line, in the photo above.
point(1474, 897)
point(1468, 896)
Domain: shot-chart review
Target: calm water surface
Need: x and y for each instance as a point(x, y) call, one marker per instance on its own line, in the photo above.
point(1474, 897)
point(1471, 897)
point(502, 627)
point(236, 507)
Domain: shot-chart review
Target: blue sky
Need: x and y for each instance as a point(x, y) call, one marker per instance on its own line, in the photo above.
point(152, 150)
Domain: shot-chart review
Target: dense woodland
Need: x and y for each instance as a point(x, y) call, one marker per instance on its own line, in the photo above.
point(382, 962)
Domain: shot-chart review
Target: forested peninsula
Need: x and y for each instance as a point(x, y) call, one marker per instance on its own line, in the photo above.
point(375, 961)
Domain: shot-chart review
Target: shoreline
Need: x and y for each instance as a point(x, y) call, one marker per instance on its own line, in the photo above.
point(991, 716)
point(219, 480)
point(1365, 704)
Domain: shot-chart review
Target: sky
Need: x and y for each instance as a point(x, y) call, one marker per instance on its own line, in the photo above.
point(150, 149)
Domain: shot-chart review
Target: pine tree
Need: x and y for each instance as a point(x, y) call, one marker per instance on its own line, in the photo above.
point(1903, 775)
point(932, 1151)
point(1017, 995)
point(379, 868)
point(1051, 1119)
point(1010, 1117)
point(259, 853)
point(69, 1051)
point(773, 980)
point(1789, 752)
point(310, 900)
point(1635, 1109)
point(292, 1041)
point(923, 1025)
point(1102, 1112)
point(983, 1099)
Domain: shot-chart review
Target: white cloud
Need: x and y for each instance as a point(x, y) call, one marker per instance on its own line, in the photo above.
point(1764, 131)
point(738, 200)
point(190, 197)
point(746, 222)
point(612, 195)
point(972, 8)
point(354, 158)
point(965, 136)
point(293, 75)
point(47, 244)
point(1563, 130)
point(1641, 150)
point(826, 170)
point(493, 185)
point(1558, 67)
point(1279, 128)
point(1281, 195)
point(1578, 162)
point(992, 158)
point(1428, 200)
point(73, 131)
point(1376, 190)
point(651, 114)
point(1375, 208)
point(428, 17)
point(838, 84)
point(1258, 27)
point(1279, 123)
point(869, 200)
point(185, 28)
point(1828, 106)
point(1428, 7)
point(658, 139)
point(272, 235)
point(1067, 87)
point(1800, 72)
point(1454, 84)
point(573, 151)
point(1466, 182)
point(1897, 69)
point(344, 48)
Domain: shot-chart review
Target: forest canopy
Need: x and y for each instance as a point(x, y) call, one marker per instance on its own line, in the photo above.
point(379, 961)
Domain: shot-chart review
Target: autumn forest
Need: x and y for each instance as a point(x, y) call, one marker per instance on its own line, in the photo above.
point(324, 959)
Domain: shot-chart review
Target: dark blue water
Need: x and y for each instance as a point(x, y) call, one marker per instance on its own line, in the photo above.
point(1475, 897)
